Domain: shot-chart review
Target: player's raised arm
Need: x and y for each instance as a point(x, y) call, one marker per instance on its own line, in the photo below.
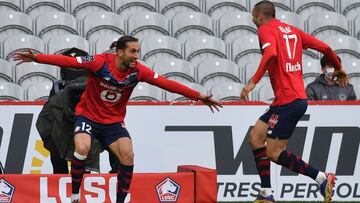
point(308, 41)
point(268, 48)
point(92, 63)
point(147, 75)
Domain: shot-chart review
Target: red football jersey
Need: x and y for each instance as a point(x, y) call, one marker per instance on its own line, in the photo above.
point(285, 42)
point(108, 90)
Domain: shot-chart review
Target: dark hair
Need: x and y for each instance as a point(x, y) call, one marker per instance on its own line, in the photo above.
point(121, 43)
point(267, 8)
point(325, 61)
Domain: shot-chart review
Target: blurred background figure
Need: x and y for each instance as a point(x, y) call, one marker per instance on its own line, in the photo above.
point(326, 88)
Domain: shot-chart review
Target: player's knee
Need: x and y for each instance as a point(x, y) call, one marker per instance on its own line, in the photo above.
point(253, 139)
point(127, 158)
point(272, 154)
point(82, 149)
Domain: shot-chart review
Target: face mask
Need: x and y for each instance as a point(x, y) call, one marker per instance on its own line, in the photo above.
point(329, 72)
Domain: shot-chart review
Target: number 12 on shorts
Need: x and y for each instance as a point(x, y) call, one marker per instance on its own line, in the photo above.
point(85, 127)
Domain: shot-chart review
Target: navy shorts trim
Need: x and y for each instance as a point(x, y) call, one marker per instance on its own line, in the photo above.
point(105, 133)
point(282, 120)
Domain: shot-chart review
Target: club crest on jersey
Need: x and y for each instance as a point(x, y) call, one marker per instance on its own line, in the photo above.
point(273, 120)
point(6, 191)
point(168, 190)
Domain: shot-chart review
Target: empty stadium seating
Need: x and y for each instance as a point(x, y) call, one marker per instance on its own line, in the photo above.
point(325, 24)
point(227, 91)
point(189, 24)
point(307, 7)
point(22, 42)
point(99, 24)
point(175, 69)
point(145, 24)
point(202, 47)
point(6, 71)
point(36, 7)
point(280, 5)
point(345, 46)
point(350, 8)
point(60, 43)
point(13, 23)
point(10, 91)
point(38, 91)
point(158, 47)
point(245, 49)
point(81, 8)
point(234, 25)
point(211, 72)
point(171, 8)
point(55, 23)
point(126, 8)
point(291, 18)
point(103, 43)
point(146, 92)
point(10, 5)
point(217, 8)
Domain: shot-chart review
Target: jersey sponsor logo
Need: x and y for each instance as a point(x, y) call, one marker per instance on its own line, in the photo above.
point(168, 190)
point(6, 191)
point(293, 67)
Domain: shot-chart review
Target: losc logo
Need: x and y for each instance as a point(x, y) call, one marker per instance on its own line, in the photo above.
point(6, 191)
point(168, 190)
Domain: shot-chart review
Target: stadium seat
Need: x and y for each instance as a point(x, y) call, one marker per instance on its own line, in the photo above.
point(98, 24)
point(189, 24)
point(55, 23)
point(233, 25)
point(10, 91)
point(146, 92)
point(22, 42)
point(357, 90)
point(102, 44)
point(211, 72)
point(245, 49)
point(27, 74)
point(199, 48)
point(346, 47)
point(280, 5)
point(217, 8)
point(249, 69)
point(171, 8)
point(154, 48)
point(145, 24)
point(227, 91)
point(81, 8)
point(6, 71)
point(357, 27)
point(325, 24)
point(351, 66)
point(254, 94)
point(13, 23)
point(266, 93)
point(350, 8)
point(10, 5)
point(307, 7)
point(126, 8)
point(38, 91)
point(60, 43)
point(169, 96)
point(175, 69)
point(291, 18)
point(311, 67)
point(37, 7)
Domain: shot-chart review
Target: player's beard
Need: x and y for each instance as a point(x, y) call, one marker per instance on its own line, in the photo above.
point(130, 64)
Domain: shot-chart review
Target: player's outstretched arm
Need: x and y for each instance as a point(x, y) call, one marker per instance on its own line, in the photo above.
point(211, 103)
point(92, 63)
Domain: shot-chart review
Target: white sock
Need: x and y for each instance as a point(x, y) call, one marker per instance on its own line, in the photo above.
point(79, 156)
point(265, 191)
point(320, 178)
point(75, 197)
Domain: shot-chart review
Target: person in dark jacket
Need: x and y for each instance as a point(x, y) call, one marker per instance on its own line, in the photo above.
point(325, 87)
